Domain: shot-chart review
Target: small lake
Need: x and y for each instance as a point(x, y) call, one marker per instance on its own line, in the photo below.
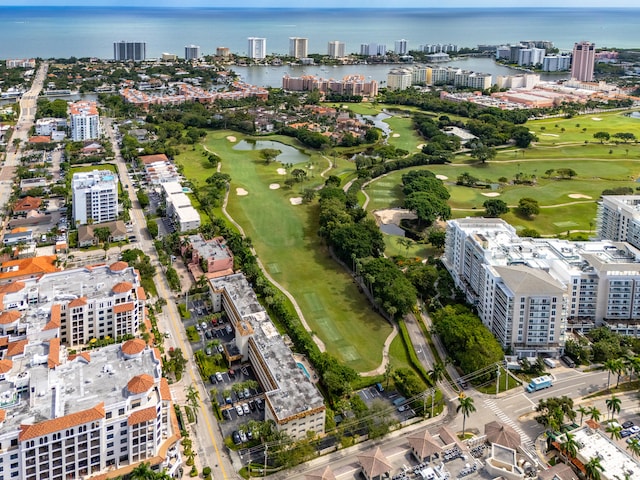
point(288, 155)
point(392, 229)
point(634, 114)
point(378, 121)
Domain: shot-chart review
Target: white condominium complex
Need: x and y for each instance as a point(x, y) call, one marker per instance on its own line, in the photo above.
point(95, 196)
point(400, 47)
point(135, 51)
point(529, 291)
point(336, 49)
point(292, 401)
point(191, 52)
point(257, 48)
point(298, 47)
point(619, 218)
point(66, 415)
point(85, 121)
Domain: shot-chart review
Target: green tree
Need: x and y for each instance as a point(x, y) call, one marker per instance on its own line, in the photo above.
point(613, 405)
point(582, 410)
point(594, 414)
point(634, 447)
point(437, 237)
point(269, 154)
point(467, 407)
point(528, 207)
point(495, 207)
point(483, 153)
point(193, 397)
point(610, 366)
point(523, 137)
point(602, 136)
point(569, 447)
point(593, 469)
point(102, 234)
point(614, 431)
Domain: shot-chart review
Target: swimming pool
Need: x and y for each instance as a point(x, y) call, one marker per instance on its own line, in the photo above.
point(304, 369)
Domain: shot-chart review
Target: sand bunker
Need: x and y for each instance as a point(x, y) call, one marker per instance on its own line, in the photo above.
point(419, 147)
point(281, 171)
point(395, 135)
point(393, 215)
point(596, 119)
point(579, 195)
point(296, 200)
point(231, 138)
point(274, 186)
point(241, 192)
point(491, 194)
point(549, 135)
point(442, 177)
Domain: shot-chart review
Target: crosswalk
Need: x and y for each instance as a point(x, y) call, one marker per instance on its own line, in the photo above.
point(527, 443)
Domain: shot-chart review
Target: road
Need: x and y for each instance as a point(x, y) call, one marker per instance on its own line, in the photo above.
point(28, 104)
point(205, 434)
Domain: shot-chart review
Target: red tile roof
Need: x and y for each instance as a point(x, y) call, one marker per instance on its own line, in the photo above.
point(165, 392)
point(123, 307)
point(144, 415)
point(3, 415)
point(78, 302)
point(5, 365)
point(9, 317)
point(133, 347)
point(54, 353)
point(12, 287)
point(158, 157)
point(122, 287)
point(85, 355)
point(54, 321)
point(39, 139)
point(140, 384)
point(27, 203)
point(33, 266)
point(61, 423)
point(16, 348)
point(141, 293)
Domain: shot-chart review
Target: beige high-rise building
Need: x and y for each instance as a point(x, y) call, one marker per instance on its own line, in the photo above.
point(336, 49)
point(298, 47)
point(584, 58)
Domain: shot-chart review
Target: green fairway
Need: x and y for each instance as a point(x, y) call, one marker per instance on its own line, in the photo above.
point(404, 135)
point(285, 238)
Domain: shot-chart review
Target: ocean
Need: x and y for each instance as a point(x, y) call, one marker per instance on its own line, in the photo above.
point(62, 32)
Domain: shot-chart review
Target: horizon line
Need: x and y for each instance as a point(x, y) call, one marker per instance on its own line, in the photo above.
point(434, 7)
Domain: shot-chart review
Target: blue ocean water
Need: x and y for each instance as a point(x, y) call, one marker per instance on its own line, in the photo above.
point(89, 31)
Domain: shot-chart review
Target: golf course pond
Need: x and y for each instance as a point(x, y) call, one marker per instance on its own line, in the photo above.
point(289, 154)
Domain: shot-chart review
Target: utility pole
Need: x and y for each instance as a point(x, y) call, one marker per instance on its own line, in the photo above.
point(498, 381)
point(264, 472)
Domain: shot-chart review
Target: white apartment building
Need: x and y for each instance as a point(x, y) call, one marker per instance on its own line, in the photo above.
point(257, 48)
point(95, 196)
point(192, 52)
point(292, 401)
point(298, 47)
point(85, 121)
point(124, 51)
point(336, 49)
point(529, 291)
point(619, 218)
point(373, 49)
point(556, 63)
point(400, 47)
point(179, 207)
point(527, 81)
point(531, 56)
point(399, 78)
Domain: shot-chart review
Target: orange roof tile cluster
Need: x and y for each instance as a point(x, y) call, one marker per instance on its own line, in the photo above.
point(165, 392)
point(12, 287)
point(3, 415)
point(123, 307)
point(27, 203)
point(144, 415)
point(54, 353)
point(5, 365)
point(133, 347)
point(78, 302)
point(61, 423)
point(4, 341)
point(140, 384)
point(118, 266)
point(84, 355)
point(39, 139)
point(54, 321)
point(122, 287)
point(32, 266)
point(16, 348)
point(9, 317)
point(141, 293)
point(83, 108)
point(158, 157)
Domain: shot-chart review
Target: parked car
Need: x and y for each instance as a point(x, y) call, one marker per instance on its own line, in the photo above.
point(634, 429)
point(245, 409)
point(627, 424)
point(243, 436)
point(260, 404)
point(208, 351)
point(220, 348)
point(239, 410)
point(219, 377)
point(212, 379)
point(625, 433)
point(246, 392)
point(235, 436)
point(208, 335)
point(252, 405)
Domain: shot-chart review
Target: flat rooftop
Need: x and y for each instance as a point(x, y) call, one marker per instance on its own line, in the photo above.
point(295, 393)
point(215, 248)
point(616, 462)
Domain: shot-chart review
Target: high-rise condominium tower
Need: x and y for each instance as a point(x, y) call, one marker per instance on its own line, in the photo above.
point(584, 57)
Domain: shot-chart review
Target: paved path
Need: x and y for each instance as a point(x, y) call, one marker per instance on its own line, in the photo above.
point(385, 355)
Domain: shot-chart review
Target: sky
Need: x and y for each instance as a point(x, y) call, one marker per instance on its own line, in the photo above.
point(330, 3)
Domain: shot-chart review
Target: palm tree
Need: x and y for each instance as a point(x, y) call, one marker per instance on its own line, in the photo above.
point(467, 407)
point(593, 468)
point(614, 431)
point(582, 410)
point(613, 405)
point(621, 369)
point(193, 396)
point(569, 447)
point(634, 447)
point(610, 366)
point(436, 373)
point(142, 472)
point(594, 414)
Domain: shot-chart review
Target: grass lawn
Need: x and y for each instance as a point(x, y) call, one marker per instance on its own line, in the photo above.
point(92, 167)
point(286, 240)
point(407, 138)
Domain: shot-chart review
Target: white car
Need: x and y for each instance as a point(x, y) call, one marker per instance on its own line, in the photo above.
point(239, 410)
point(245, 408)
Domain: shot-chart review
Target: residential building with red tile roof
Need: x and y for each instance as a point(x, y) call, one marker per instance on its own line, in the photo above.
point(16, 271)
point(27, 204)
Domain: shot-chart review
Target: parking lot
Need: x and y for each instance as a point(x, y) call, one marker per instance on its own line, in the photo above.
point(403, 410)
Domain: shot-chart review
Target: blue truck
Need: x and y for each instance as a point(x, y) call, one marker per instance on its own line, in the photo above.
point(540, 383)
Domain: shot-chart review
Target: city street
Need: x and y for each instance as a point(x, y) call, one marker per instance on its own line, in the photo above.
point(205, 434)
